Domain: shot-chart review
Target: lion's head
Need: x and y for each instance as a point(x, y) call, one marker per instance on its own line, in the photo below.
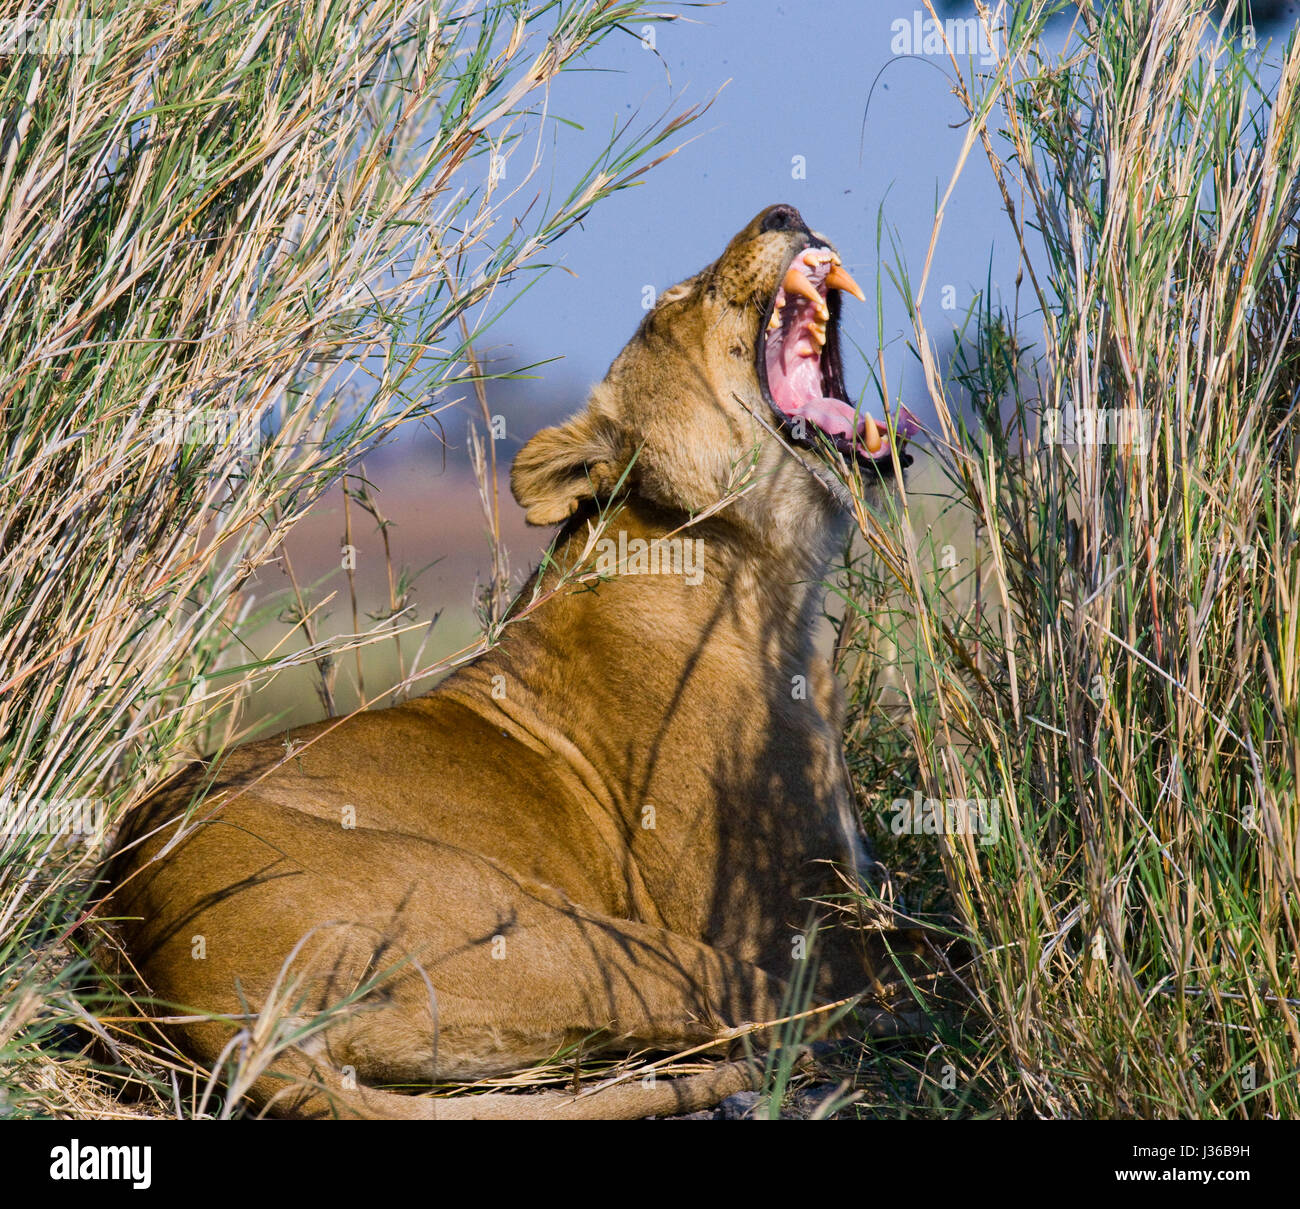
point(735, 372)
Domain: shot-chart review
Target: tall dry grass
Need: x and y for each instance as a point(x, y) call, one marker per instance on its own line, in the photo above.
point(241, 244)
point(1109, 654)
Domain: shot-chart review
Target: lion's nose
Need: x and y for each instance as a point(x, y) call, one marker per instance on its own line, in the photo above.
point(783, 218)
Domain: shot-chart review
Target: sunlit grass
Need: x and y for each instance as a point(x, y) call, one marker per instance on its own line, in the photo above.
point(1108, 646)
point(241, 244)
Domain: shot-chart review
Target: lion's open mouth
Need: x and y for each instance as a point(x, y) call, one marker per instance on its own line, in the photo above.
point(799, 361)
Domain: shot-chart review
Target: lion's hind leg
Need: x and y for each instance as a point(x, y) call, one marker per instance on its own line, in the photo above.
point(564, 976)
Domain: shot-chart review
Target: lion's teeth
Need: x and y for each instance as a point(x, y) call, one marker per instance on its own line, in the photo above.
point(795, 282)
point(818, 331)
point(775, 321)
point(804, 349)
point(873, 435)
point(839, 279)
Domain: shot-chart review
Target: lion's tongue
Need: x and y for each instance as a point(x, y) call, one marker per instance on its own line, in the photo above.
point(833, 417)
point(794, 382)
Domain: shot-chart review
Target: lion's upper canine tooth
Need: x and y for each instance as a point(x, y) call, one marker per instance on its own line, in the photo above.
point(795, 282)
point(839, 279)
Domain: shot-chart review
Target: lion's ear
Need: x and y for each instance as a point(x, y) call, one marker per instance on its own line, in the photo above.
point(560, 467)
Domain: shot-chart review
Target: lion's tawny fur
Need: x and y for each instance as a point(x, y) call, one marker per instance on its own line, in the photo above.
point(608, 828)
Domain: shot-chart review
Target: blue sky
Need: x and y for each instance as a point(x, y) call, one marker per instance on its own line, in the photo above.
point(878, 135)
point(792, 85)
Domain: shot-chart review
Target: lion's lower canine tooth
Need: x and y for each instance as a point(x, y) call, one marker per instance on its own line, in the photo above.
point(839, 279)
point(873, 435)
point(775, 321)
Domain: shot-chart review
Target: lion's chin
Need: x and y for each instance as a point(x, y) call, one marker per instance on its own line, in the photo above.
point(799, 363)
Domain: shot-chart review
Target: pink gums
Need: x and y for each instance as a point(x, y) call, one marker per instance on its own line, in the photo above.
point(795, 381)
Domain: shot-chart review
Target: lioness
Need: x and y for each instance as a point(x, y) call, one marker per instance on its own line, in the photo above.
point(612, 828)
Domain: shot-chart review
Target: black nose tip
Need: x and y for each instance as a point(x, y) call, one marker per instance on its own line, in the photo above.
point(784, 218)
